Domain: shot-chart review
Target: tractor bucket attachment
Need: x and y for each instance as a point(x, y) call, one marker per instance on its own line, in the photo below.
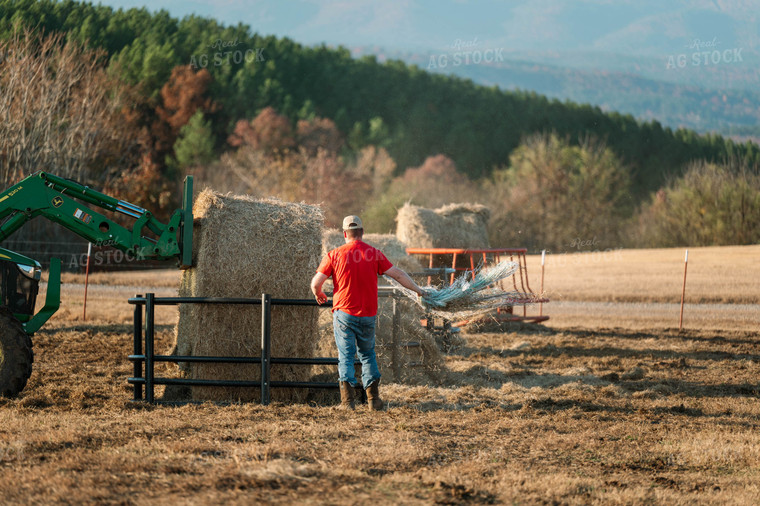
point(186, 226)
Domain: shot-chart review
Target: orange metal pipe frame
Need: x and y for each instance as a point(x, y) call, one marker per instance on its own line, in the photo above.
point(460, 251)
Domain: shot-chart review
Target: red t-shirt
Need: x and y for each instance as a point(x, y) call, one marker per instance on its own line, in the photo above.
point(354, 268)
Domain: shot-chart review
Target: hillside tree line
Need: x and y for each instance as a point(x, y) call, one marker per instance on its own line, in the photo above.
point(130, 101)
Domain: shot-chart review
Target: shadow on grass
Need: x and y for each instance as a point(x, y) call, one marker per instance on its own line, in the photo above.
point(481, 376)
point(551, 350)
point(546, 405)
point(492, 326)
point(676, 357)
point(717, 336)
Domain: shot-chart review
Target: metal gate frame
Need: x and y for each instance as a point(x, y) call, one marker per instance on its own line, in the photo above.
point(144, 333)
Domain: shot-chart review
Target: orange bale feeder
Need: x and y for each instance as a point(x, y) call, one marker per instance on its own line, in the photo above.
point(466, 261)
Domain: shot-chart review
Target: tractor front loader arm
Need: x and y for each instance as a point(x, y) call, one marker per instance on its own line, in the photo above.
point(70, 204)
point(64, 202)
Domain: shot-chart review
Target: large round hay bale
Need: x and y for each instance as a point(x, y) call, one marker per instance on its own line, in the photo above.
point(244, 247)
point(389, 244)
point(451, 226)
point(331, 239)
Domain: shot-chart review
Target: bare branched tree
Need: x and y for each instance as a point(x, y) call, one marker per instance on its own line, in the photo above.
point(60, 111)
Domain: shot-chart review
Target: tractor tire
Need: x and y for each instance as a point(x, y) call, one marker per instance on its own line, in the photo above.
point(16, 355)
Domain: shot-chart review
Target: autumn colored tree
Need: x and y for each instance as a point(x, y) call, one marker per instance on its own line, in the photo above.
point(60, 111)
point(181, 96)
point(268, 131)
point(322, 179)
point(434, 183)
point(319, 133)
point(333, 185)
point(268, 161)
point(376, 164)
point(146, 186)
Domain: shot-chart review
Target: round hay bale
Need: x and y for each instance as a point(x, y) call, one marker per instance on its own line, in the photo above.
point(244, 247)
point(331, 239)
point(394, 250)
point(451, 226)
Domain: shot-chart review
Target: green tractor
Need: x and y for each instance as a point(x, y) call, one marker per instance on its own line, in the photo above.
point(68, 203)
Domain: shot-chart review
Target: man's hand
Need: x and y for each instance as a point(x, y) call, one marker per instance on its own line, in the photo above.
point(316, 287)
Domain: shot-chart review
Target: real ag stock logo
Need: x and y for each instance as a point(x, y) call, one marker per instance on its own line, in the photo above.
point(465, 52)
point(705, 52)
point(227, 54)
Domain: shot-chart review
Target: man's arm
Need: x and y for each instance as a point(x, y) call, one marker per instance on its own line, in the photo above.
point(403, 279)
point(316, 287)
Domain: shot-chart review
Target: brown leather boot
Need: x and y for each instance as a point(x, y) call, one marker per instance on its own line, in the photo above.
point(360, 395)
point(373, 396)
point(346, 395)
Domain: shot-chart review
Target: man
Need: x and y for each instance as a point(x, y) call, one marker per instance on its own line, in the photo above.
point(354, 268)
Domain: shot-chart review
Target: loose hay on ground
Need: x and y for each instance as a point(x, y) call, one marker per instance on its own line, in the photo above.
point(244, 247)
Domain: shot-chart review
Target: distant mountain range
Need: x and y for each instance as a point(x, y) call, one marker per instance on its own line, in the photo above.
point(686, 63)
point(693, 64)
point(721, 97)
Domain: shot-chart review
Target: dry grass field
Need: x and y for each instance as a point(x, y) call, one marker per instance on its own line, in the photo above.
point(727, 274)
point(582, 410)
point(641, 289)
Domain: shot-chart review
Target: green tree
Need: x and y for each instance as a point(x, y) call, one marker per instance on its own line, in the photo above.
point(558, 196)
point(195, 143)
point(711, 204)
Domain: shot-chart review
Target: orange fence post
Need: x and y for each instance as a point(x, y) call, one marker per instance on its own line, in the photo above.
point(541, 304)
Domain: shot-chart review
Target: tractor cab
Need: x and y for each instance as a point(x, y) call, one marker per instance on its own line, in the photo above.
point(19, 283)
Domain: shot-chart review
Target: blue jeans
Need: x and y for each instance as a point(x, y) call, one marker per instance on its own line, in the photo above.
point(355, 334)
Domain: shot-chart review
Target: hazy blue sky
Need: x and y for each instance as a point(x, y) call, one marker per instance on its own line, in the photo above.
point(652, 27)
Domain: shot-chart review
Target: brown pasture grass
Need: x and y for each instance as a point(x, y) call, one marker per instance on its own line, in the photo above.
point(158, 278)
point(650, 315)
point(577, 416)
point(108, 303)
point(607, 412)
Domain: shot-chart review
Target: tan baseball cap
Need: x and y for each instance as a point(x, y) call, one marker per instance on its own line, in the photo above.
point(352, 222)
